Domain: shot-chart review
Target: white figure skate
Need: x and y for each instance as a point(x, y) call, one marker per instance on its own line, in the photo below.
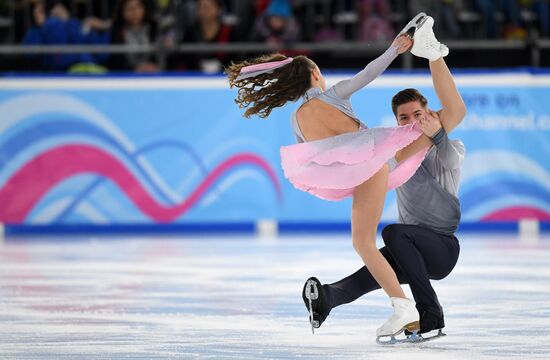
point(405, 316)
point(425, 44)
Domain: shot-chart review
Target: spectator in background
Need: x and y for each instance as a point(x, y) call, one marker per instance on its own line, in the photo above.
point(5, 13)
point(260, 6)
point(52, 24)
point(169, 16)
point(375, 23)
point(328, 32)
point(133, 24)
point(276, 25)
point(542, 10)
point(319, 20)
point(445, 10)
point(489, 10)
point(448, 11)
point(208, 28)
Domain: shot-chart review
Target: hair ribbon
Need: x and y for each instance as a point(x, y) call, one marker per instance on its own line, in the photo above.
point(262, 68)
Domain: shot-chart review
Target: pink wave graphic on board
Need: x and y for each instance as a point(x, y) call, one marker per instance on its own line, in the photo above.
point(34, 179)
point(517, 213)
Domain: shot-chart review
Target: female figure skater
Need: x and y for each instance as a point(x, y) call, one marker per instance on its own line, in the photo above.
point(337, 155)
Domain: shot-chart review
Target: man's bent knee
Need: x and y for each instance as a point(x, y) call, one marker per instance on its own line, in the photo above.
point(392, 234)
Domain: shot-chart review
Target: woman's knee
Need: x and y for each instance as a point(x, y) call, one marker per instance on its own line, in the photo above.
point(364, 244)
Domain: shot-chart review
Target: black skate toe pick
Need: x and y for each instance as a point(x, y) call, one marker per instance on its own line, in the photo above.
point(314, 298)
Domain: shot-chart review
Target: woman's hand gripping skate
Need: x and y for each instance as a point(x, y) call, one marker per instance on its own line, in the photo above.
point(403, 42)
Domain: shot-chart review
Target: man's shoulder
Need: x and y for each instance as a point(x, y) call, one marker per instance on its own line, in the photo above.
point(457, 143)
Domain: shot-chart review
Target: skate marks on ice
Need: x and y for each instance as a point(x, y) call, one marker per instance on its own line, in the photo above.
point(498, 296)
point(241, 299)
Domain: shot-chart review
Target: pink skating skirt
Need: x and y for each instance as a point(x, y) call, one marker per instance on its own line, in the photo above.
point(331, 168)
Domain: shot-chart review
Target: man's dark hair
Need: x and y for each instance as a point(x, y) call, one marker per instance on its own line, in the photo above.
point(406, 96)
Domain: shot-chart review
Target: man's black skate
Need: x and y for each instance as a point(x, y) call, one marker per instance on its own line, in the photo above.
point(315, 300)
point(428, 322)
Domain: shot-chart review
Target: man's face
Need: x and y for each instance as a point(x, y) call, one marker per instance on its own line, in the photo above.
point(410, 112)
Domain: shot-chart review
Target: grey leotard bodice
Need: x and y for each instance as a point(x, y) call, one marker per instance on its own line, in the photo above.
point(339, 94)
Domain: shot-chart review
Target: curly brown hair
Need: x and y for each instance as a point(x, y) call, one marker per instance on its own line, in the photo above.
point(263, 93)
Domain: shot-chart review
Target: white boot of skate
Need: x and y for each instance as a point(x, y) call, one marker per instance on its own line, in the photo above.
point(426, 45)
point(405, 316)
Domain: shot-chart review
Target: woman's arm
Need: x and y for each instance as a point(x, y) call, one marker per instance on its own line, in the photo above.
point(344, 89)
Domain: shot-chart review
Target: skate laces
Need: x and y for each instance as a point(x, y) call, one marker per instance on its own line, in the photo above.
point(431, 41)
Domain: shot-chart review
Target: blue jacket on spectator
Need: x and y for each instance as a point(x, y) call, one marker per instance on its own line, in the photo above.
point(55, 31)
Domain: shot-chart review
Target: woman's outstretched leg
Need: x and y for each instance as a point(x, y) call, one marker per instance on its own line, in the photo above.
point(368, 202)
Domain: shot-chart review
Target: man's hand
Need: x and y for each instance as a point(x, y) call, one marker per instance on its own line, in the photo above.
point(430, 124)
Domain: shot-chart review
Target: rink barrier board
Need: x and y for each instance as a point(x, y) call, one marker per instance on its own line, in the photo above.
point(248, 228)
point(485, 91)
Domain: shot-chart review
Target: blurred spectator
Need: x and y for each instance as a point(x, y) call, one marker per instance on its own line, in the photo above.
point(239, 14)
point(276, 25)
point(444, 12)
point(318, 21)
point(375, 23)
point(170, 17)
point(542, 10)
point(261, 6)
point(52, 24)
point(448, 11)
point(133, 24)
point(208, 28)
point(490, 9)
point(328, 32)
point(5, 16)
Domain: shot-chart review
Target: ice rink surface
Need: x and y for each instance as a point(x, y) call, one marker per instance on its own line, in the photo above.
point(240, 298)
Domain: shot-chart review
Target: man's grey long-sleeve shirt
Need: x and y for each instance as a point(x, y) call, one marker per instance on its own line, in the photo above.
point(429, 198)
